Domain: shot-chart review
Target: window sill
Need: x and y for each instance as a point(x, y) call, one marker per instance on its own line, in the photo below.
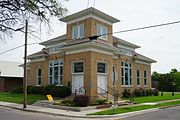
point(145, 85)
point(126, 86)
point(138, 85)
point(81, 73)
point(38, 85)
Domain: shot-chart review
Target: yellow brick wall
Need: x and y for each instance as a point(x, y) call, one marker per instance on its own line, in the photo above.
point(90, 29)
point(90, 60)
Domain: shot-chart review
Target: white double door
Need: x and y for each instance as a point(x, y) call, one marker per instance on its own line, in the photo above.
point(78, 83)
point(102, 83)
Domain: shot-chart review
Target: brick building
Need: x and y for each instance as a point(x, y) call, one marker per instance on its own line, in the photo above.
point(88, 64)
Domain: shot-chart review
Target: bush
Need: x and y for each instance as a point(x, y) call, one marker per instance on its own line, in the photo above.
point(98, 102)
point(37, 90)
point(81, 101)
point(17, 90)
point(67, 102)
point(126, 93)
point(137, 92)
point(57, 91)
point(155, 92)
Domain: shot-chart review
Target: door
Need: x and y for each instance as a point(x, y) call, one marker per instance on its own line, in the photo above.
point(78, 78)
point(102, 78)
point(77, 83)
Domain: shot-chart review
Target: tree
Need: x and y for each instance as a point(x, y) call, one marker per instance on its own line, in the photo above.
point(14, 12)
point(174, 70)
point(155, 77)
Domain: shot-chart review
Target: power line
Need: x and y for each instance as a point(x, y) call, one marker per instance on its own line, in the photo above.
point(16, 48)
point(96, 36)
point(141, 28)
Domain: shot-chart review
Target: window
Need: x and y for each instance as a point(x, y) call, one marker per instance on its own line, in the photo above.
point(78, 31)
point(38, 76)
point(138, 77)
point(145, 78)
point(56, 72)
point(101, 30)
point(127, 52)
point(126, 73)
point(78, 67)
point(54, 49)
point(101, 68)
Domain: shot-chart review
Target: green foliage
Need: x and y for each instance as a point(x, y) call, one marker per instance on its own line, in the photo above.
point(37, 90)
point(17, 90)
point(166, 82)
point(67, 102)
point(18, 98)
point(126, 93)
point(98, 102)
point(55, 91)
point(81, 101)
point(134, 108)
point(145, 92)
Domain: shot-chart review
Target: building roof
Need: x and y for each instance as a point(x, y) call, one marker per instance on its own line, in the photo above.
point(142, 57)
point(54, 40)
point(10, 69)
point(89, 11)
point(123, 42)
point(38, 54)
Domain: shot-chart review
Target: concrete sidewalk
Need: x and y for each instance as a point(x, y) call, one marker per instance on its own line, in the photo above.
point(82, 114)
point(46, 110)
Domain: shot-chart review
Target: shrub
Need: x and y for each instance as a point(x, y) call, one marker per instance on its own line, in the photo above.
point(126, 93)
point(81, 101)
point(67, 102)
point(98, 102)
point(57, 91)
point(17, 90)
point(37, 90)
point(155, 92)
point(137, 92)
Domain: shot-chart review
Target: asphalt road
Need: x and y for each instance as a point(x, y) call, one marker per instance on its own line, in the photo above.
point(172, 113)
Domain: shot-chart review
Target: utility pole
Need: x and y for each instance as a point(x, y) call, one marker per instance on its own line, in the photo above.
point(25, 65)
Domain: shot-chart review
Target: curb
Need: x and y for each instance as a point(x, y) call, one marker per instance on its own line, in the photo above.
point(123, 115)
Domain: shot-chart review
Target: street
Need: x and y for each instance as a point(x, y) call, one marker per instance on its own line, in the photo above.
point(172, 113)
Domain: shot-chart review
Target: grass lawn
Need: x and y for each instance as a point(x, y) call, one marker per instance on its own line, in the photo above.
point(18, 98)
point(134, 108)
point(166, 96)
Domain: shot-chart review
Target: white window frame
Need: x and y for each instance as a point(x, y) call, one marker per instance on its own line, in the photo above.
point(138, 78)
point(60, 64)
point(38, 77)
point(123, 80)
point(145, 77)
point(78, 31)
point(101, 27)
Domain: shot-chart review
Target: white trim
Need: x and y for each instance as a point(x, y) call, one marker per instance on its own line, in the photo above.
point(37, 59)
point(141, 62)
point(37, 77)
point(89, 16)
point(126, 85)
point(55, 45)
point(72, 67)
point(89, 49)
point(124, 47)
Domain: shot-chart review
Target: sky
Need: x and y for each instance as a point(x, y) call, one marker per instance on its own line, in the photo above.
point(161, 44)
